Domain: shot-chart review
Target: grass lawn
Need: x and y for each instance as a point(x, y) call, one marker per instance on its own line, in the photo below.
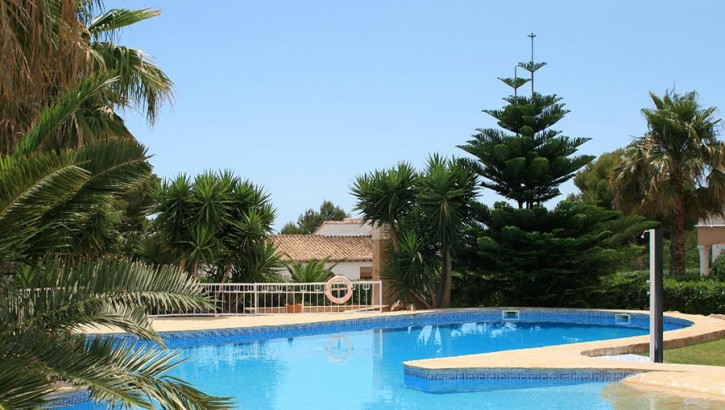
point(712, 353)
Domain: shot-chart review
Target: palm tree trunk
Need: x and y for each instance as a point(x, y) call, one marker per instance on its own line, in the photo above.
point(444, 294)
point(677, 246)
point(394, 238)
point(419, 300)
point(227, 273)
point(182, 262)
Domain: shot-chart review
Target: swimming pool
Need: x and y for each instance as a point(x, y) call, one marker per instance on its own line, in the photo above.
point(358, 364)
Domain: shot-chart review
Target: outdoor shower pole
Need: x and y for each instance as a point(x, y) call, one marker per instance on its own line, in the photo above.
point(656, 292)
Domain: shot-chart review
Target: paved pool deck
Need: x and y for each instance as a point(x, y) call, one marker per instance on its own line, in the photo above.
point(704, 382)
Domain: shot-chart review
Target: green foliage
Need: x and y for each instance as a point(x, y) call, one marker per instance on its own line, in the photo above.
point(532, 256)
point(540, 257)
point(65, 157)
point(593, 180)
point(673, 174)
point(54, 211)
point(216, 222)
point(443, 197)
point(310, 272)
point(134, 204)
point(692, 258)
point(310, 220)
point(42, 306)
point(428, 211)
point(692, 294)
point(528, 163)
point(412, 271)
point(717, 270)
point(48, 55)
point(260, 264)
point(57, 201)
point(385, 197)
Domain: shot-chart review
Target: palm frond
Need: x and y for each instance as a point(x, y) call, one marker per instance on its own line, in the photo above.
point(59, 112)
point(112, 20)
point(29, 188)
point(114, 166)
point(141, 82)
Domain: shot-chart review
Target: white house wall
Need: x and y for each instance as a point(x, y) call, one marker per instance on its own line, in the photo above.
point(350, 270)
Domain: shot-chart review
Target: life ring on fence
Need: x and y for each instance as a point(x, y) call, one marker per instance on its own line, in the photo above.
point(334, 281)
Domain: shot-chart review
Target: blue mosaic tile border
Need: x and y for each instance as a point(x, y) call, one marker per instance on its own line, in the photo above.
point(590, 317)
point(466, 380)
point(73, 399)
point(434, 381)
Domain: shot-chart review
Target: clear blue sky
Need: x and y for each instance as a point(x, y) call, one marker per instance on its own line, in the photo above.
point(302, 96)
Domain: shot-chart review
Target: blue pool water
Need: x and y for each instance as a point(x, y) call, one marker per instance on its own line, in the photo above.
point(363, 369)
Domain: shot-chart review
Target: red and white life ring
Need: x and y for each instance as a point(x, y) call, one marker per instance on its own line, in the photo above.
point(331, 284)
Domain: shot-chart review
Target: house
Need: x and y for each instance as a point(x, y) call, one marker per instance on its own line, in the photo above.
point(710, 241)
point(348, 245)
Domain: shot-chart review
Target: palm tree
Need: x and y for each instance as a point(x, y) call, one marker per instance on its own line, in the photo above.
point(38, 36)
point(50, 205)
point(55, 200)
point(426, 211)
point(41, 307)
point(52, 43)
point(674, 173)
point(444, 194)
point(140, 82)
point(412, 271)
point(386, 197)
point(311, 272)
point(217, 221)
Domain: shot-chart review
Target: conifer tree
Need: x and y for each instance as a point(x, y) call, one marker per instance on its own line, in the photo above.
point(532, 255)
point(527, 161)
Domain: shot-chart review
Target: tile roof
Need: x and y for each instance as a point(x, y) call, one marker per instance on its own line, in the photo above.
point(346, 221)
point(714, 220)
point(304, 248)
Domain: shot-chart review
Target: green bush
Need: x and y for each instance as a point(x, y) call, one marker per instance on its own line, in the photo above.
point(692, 294)
point(717, 270)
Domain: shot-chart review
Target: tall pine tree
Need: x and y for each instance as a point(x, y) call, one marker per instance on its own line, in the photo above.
point(527, 161)
point(531, 255)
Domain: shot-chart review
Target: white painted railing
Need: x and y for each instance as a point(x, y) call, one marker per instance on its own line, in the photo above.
point(272, 298)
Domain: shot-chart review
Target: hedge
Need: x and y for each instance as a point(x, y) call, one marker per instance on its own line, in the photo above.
point(690, 294)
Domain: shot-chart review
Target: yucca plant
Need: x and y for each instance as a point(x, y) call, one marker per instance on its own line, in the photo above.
point(217, 221)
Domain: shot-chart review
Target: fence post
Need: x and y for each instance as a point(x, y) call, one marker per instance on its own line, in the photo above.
point(256, 299)
point(380, 296)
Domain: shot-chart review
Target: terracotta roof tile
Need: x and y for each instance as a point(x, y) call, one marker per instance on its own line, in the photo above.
point(304, 248)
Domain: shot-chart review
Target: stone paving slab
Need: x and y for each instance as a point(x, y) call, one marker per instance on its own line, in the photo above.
point(706, 381)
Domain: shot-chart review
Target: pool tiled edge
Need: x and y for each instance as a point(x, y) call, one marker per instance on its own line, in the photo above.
point(576, 363)
point(464, 380)
point(187, 338)
point(550, 365)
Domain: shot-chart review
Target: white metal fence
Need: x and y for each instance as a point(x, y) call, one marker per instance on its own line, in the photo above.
point(269, 298)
